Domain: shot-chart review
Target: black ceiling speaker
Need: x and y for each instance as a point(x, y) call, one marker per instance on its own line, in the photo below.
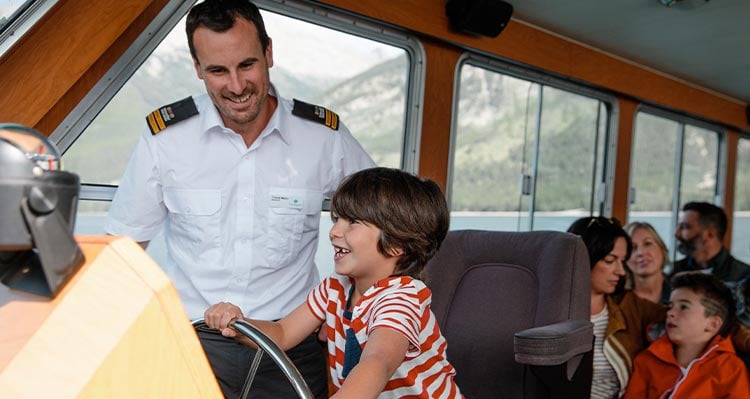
point(479, 17)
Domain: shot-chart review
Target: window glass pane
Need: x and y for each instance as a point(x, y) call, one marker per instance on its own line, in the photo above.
point(496, 151)
point(652, 172)
point(567, 164)
point(741, 219)
point(496, 113)
point(699, 164)
point(364, 81)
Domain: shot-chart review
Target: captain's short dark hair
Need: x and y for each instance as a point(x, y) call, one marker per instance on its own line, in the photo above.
point(411, 213)
point(220, 16)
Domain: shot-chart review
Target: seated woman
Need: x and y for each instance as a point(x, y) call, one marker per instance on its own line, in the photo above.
point(647, 262)
point(620, 317)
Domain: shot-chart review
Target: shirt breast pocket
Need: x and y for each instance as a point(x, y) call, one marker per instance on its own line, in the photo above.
point(195, 217)
point(292, 215)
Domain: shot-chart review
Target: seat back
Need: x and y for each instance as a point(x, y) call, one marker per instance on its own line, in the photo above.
point(488, 285)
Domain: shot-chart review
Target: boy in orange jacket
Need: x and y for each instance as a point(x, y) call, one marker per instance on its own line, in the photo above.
point(695, 359)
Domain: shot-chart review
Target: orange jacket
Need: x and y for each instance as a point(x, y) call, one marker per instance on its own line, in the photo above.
point(717, 373)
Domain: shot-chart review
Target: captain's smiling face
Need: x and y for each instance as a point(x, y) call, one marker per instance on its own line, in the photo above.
point(234, 69)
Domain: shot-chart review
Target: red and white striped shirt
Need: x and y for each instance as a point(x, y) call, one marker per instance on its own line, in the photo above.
point(402, 304)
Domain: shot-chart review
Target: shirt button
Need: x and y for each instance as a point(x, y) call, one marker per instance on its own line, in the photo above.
point(244, 198)
point(187, 209)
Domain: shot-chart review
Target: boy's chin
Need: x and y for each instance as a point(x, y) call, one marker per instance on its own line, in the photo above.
point(674, 338)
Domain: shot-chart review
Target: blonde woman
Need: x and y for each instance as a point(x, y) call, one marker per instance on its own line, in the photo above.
point(647, 263)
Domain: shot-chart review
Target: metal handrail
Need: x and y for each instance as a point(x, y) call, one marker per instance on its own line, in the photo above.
point(265, 344)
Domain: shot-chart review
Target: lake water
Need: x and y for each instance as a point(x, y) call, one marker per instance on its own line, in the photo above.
point(92, 224)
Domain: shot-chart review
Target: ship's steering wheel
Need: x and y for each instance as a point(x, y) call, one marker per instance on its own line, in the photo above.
point(265, 345)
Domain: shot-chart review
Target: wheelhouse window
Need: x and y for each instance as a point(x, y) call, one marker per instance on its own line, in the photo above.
point(741, 219)
point(369, 76)
point(673, 162)
point(526, 155)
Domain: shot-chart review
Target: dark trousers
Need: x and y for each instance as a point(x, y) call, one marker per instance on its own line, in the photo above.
point(231, 361)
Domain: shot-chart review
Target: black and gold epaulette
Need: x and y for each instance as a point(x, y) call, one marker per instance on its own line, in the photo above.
point(316, 113)
point(171, 114)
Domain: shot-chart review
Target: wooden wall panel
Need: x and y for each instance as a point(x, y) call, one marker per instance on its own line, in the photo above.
point(626, 119)
point(81, 87)
point(43, 67)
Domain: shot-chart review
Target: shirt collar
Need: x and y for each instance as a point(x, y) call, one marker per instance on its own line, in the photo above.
point(212, 120)
point(276, 123)
point(393, 281)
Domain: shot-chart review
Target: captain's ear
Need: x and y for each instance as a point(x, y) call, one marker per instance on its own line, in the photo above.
point(711, 232)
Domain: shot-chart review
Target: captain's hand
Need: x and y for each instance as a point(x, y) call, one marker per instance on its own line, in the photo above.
point(220, 315)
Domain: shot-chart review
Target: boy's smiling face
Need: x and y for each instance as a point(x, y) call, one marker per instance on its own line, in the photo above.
point(687, 322)
point(355, 245)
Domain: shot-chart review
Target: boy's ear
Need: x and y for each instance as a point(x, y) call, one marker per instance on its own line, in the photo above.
point(713, 324)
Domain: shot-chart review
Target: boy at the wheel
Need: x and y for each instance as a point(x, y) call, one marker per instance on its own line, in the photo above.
point(383, 339)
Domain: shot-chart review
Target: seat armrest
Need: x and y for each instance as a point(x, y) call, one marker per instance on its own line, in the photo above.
point(553, 344)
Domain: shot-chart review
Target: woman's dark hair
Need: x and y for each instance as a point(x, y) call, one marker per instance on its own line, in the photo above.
point(599, 234)
point(220, 16)
point(411, 213)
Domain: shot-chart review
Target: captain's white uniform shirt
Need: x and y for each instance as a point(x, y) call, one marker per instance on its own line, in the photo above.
point(241, 223)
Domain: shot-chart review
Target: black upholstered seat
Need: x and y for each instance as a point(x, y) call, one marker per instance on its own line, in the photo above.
point(489, 288)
